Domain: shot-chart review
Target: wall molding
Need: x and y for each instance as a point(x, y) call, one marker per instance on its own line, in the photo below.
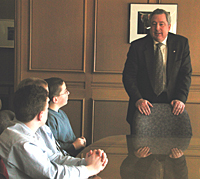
point(63, 68)
point(82, 100)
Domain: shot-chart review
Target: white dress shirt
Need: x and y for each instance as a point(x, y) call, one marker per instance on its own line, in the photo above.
point(27, 155)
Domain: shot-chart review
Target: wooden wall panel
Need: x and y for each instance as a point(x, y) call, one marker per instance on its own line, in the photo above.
point(194, 113)
point(192, 8)
point(109, 118)
point(111, 35)
point(193, 164)
point(75, 112)
point(89, 51)
point(57, 35)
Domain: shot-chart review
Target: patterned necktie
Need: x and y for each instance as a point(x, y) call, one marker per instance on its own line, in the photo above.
point(158, 89)
point(59, 148)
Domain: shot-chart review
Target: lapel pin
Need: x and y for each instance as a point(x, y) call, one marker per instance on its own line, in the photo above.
point(174, 51)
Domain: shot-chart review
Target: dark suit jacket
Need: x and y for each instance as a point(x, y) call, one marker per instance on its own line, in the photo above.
point(151, 167)
point(138, 76)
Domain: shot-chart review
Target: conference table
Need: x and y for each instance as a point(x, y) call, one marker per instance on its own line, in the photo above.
point(117, 151)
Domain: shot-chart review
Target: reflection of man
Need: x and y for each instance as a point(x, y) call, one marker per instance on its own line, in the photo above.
point(143, 164)
point(139, 71)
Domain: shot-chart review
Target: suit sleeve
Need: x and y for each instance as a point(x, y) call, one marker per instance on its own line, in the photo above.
point(130, 75)
point(179, 167)
point(184, 76)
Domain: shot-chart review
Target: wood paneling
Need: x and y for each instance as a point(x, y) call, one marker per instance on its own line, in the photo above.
point(111, 35)
point(109, 118)
point(85, 42)
point(75, 112)
point(194, 113)
point(193, 164)
point(57, 35)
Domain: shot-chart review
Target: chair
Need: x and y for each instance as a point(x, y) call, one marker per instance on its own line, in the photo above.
point(6, 119)
point(161, 130)
point(3, 170)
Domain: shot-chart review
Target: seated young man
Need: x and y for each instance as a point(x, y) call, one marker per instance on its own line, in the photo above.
point(58, 120)
point(24, 151)
point(44, 131)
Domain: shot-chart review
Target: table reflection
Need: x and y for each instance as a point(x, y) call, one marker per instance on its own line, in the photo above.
point(163, 160)
point(123, 162)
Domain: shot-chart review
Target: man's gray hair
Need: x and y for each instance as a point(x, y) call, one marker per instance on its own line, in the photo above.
point(161, 11)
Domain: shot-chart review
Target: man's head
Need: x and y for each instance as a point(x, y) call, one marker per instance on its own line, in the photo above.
point(33, 81)
point(58, 92)
point(160, 24)
point(29, 101)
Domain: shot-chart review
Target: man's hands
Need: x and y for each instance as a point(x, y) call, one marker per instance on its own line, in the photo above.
point(178, 107)
point(96, 161)
point(79, 143)
point(176, 153)
point(143, 106)
point(142, 152)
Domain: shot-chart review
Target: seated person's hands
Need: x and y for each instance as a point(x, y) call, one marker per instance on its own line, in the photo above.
point(142, 152)
point(176, 153)
point(143, 106)
point(96, 161)
point(79, 143)
point(103, 156)
point(100, 153)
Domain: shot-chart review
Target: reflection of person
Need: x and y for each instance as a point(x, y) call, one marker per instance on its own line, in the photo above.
point(24, 151)
point(145, 165)
point(138, 74)
point(58, 120)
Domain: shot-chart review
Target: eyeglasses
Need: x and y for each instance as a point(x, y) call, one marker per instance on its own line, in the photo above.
point(66, 92)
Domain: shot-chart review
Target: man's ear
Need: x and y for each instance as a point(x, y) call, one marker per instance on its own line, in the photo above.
point(169, 27)
point(55, 99)
point(40, 115)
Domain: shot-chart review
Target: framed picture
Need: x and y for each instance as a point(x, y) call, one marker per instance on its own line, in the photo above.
point(139, 18)
point(7, 33)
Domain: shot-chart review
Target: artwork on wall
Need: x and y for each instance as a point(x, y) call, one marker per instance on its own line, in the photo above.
point(139, 18)
point(7, 33)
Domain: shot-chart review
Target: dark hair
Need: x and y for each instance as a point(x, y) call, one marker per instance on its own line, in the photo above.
point(54, 85)
point(161, 11)
point(29, 101)
point(32, 81)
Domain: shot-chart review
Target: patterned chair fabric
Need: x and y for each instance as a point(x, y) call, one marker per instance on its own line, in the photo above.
point(161, 130)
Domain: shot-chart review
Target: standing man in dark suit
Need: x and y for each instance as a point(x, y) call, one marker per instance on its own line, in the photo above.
point(139, 71)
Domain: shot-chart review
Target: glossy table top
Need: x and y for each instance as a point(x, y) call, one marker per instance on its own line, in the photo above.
point(117, 151)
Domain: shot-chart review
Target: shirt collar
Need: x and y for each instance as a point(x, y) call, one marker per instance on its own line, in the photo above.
point(23, 128)
point(163, 42)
